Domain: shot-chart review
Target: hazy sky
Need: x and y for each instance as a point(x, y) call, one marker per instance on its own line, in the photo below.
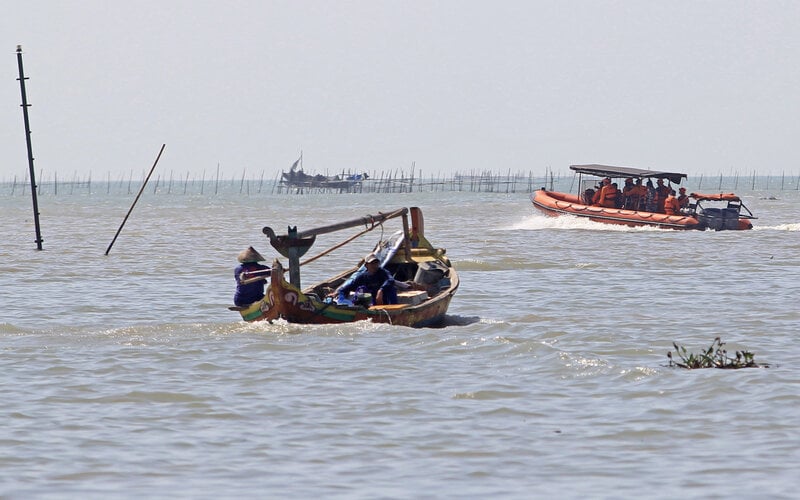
point(697, 86)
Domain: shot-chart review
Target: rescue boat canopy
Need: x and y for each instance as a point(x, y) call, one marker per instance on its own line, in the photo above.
point(636, 173)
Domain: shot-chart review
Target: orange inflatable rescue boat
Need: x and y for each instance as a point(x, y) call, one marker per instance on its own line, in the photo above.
point(631, 205)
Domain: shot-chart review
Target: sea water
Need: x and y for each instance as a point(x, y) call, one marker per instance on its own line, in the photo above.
point(126, 376)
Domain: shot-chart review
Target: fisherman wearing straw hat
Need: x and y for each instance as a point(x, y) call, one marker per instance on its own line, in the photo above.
point(250, 277)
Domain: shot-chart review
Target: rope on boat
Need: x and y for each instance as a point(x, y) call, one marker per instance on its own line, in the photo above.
point(340, 245)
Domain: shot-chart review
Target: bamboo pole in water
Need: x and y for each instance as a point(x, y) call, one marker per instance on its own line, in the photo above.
point(136, 200)
point(275, 184)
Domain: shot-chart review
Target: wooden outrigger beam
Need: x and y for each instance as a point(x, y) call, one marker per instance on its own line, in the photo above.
point(361, 221)
point(294, 244)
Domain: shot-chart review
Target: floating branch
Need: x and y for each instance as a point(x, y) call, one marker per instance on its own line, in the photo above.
point(716, 356)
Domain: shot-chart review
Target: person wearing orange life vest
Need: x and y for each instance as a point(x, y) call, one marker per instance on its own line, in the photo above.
point(608, 195)
point(671, 205)
point(661, 195)
point(597, 199)
point(639, 195)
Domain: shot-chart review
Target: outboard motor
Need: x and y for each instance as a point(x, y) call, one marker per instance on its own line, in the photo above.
point(711, 218)
point(730, 218)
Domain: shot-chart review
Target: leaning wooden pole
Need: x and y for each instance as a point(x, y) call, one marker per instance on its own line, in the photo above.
point(25, 106)
point(136, 200)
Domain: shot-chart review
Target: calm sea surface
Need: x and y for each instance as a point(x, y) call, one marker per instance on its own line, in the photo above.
point(126, 376)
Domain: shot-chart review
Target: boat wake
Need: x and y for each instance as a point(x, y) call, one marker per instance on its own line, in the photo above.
point(458, 320)
point(536, 222)
point(282, 327)
point(779, 227)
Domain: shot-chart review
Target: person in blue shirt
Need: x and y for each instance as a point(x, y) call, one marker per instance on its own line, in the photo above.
point(249, 288)
point(377, 280)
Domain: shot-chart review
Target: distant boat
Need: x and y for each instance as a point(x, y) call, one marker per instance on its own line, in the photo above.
point(723, 211)
point(425, 270)
point(297, 178)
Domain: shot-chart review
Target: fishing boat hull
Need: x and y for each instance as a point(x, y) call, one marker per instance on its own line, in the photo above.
point(555, 204)
point(426, 282)
point(287, 302)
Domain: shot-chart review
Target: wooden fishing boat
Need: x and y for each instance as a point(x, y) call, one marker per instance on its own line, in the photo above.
point(723, 211)
point(425, 276)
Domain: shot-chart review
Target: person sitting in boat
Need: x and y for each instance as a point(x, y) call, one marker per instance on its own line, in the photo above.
point(671, 206)
point(377, 280)
point(618, 199)
point(608, 195)
point(628, 190)
point(588, 196)
point(639, 194)
point(662, 192)
point(597, 199)
point(250, 278)
point(683, 200)
point(650, 197)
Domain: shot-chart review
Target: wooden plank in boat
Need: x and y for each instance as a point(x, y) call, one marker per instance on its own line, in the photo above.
point(388, 307)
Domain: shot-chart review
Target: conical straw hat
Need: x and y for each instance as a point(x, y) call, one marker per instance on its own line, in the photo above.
point(250, 255)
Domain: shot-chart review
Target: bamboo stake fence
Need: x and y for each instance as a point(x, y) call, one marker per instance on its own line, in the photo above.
point(384, 181)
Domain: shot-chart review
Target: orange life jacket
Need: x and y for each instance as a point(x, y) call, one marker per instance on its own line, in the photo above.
point(661, 195)
point(596, 198)
point(608, 196)
point(671, 206)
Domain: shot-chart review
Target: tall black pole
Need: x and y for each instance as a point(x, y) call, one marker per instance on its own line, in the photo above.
point(30, 148)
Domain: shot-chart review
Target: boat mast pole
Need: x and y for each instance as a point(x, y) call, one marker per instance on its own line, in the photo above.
point(25, 106)
point(406, 238)
point(294, 259)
